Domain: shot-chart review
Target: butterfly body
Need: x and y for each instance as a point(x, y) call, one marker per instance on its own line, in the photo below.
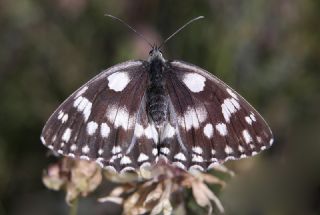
point(157, 104)
point(138, 113)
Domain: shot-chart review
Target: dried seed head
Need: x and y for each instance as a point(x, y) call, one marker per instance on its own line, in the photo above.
point(77, 177)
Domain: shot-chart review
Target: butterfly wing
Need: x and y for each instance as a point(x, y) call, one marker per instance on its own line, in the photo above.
point(215, 123)
point(105, 120)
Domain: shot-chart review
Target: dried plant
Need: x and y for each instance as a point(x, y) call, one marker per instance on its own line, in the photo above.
point(76, 177)
point(160, 189)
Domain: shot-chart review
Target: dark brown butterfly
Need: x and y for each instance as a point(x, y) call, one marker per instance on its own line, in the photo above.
point(139, 112)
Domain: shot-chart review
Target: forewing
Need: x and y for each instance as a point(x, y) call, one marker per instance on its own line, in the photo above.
point(98, 121)
point(215, 123)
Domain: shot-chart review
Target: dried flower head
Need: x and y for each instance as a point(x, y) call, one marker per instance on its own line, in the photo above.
point(158, 189)
point(76, 177)
point(163, 190)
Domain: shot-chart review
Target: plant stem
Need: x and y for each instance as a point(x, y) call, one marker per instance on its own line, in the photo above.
point(74, 207)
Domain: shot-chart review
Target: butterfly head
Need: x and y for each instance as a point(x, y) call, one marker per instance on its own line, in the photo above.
point(155, 54)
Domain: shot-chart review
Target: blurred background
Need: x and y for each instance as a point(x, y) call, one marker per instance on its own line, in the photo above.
point(268, 50)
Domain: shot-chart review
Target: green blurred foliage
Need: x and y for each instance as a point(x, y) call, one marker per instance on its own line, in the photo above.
point(266, 49)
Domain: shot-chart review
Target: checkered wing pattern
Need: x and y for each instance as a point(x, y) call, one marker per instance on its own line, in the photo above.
point(105, 120)
point(192, 119)
point(211, 123)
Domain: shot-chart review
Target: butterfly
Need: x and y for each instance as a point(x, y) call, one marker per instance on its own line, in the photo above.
point(140, 112)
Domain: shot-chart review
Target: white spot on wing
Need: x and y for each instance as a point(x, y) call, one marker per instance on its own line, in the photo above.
point(83, 105)
point(168, 132)
point(208, 130)
point(229, 106)
point(66, 135)
point(263, 148)
point(254, 153)
point(201, 113)
point(151, 133)
point(180, 156)
point(154, 151)
point(125, 160)
point(240, 148)
point(259, 139)
point(235, 103)
point(122, 118)
point(271, 141)
point(116, 149)
point(85, 149)
point(111, 113)
point(191, 119)
point(92, 127)
point(197, 158)
point(214, 160)
point(73, 147)
point(222, 129)
point(139, 130)
point(197, 150)
point(230, 158)
point(232, 93)
point(194, 82)
point(100, 151)
point(42, 140)
point(228, 150)
point(252, 117)
point(118, 81)
point(246, 136)
point(143, 157)
point(64, 118)
point(248, 120)
point(114, 157)
point(87, 111)
point(104, 130)
point(165, 150)
point(60, 115)
point(243, 156)
point(77, 101)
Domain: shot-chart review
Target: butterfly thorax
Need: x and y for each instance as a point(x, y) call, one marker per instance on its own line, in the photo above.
point(157, 102)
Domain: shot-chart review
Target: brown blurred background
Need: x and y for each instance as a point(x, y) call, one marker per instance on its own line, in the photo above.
point(269, 50)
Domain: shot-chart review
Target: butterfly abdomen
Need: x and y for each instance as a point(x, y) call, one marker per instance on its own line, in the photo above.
point(157, 103)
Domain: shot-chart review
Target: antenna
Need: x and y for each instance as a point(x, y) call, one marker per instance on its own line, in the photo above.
point(182, 27)
point(131, 28)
